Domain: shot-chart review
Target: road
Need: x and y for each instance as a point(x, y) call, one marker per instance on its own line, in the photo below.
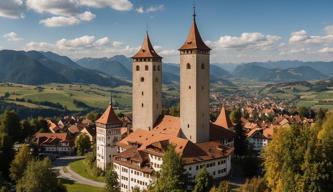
point(61, 163)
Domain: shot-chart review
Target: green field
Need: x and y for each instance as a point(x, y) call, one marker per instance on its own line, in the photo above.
point(83, 169)
point(92, 95)
point(77, 187)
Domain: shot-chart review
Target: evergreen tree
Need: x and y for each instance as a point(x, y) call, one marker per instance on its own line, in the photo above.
point(20, 162)
point(82, 144)
point(254, 185)
point(10, 124)
point(38, 177)
point(6, 154)
point(111, 179)
point(240, 142)
point(203, 181)
point(171, 178)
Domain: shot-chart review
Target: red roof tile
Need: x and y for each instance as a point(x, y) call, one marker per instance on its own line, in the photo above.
point(147, 50)
point(109, 117)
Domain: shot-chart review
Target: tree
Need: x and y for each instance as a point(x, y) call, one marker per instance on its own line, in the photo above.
point(240, 142)
point(38, 177)
point(82, 144)
point(41, 125)
point(203, 181)
point(171, 176)
point(27, 129)
point(10, 124)
point(235, 116)
point(20, 163)
point(254, 185)
point(92, 116)
point(6, 153)
point(136, 189)
point(111, 179)
point(300, 158)
point(224, 186)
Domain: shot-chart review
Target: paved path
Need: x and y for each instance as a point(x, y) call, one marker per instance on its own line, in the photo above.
point(62, 163)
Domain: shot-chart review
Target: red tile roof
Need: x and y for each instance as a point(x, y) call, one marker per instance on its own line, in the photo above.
point(147, 50)
point(109, 117)
point(223, 119)
point(194, 40)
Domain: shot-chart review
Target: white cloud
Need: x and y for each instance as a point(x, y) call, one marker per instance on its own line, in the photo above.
point(102, 41)
point(12, 36)
point(87, 16)
point(248, 40)
point(119, 5)
point(150, 9)
point(169, 52)
point(77, 43)
point(326, 50)
point(303, 37)
point(117, 44)
point(59, 21)
point(12, 9)
point(55, 7)
point(140, 10)
point(329, 30)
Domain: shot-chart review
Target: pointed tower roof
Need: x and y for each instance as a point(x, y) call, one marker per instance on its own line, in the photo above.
point(146, 50)
point(109, 117)
point(194, 40)
point(223, 119)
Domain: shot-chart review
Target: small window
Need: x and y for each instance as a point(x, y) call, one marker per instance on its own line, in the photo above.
point(158, 68)
point(202, 66)
point(142, 79)
point(156, 80)
point(189, 87)
point(146, 67)
point(142, 93)
point(138, 68)
point(141, 104)
point(154, 68)
point(188, 66)
point(188, 125)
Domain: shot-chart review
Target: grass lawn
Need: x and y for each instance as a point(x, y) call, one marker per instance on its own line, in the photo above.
point(83, 169)
point(76, 187)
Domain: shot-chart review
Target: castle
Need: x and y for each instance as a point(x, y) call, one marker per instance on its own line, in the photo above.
point(197, 140)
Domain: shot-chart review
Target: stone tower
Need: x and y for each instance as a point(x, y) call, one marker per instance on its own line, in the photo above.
point(108, 128)
point(147, 85)
point(194, 86)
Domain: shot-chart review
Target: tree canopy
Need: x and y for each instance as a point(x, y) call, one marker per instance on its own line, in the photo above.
point(300, 158)
point(82, 144)
point(111, 179)
point(203, 181)
point(171, 176)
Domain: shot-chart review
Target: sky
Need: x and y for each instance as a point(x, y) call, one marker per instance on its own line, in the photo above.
point(238, 31)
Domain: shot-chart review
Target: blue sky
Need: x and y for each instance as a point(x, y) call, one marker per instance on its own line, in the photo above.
point(237, 30)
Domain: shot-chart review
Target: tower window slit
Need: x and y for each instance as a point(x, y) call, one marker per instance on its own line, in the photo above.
point(138, 68)
point(142, 79)
point(188, 66)
point(146, 67)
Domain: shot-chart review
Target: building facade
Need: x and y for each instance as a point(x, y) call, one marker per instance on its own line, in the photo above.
point(108, 133)
point(194, 87)
point(147, 86)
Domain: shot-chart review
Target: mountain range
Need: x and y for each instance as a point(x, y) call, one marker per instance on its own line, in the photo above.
point(35, 67)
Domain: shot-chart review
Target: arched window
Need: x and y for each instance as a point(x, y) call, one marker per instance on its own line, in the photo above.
point(202, 66)
point(158, 68)
point(142, 79)
point(138, 68)
point(189, 87)
point(188, 66)
point(146, 67)
point(141, 104)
